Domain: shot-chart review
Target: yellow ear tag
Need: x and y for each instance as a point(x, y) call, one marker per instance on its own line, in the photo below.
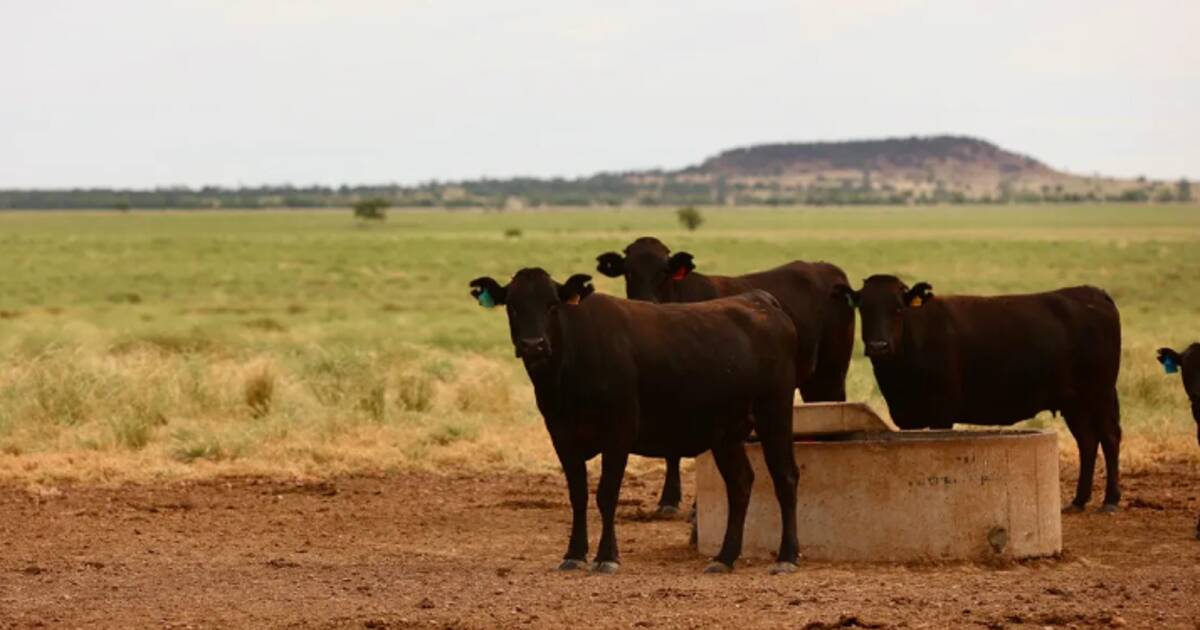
point(573, 300)
point(916, 302)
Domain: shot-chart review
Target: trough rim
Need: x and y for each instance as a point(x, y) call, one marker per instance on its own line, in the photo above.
point(923, 436)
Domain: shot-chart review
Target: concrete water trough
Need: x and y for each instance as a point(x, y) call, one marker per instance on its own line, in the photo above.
point(870, 493)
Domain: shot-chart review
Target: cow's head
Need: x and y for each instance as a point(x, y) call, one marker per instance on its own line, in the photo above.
point(530, 300)
point(649, 268)
point(1187, 363)
point(883, 303)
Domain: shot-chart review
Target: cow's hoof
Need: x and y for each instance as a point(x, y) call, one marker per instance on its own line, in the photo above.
point(605, 568)
point(667, 512)
point(716, 566)
point(783, 568)
point(1072, 508)
point(571, 564)
point(1108, 508)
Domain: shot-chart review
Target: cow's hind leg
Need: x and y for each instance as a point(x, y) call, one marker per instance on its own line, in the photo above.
point(672, 491)
point(774, 422)
point(612, 471)
point(1084, 430)
point(1109, 417)
point(734, 466)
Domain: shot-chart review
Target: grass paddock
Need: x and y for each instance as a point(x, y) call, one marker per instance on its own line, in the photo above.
point(182, 344)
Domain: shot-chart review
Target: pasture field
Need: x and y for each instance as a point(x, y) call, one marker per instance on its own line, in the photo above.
point(284, 419)
point(139, 346)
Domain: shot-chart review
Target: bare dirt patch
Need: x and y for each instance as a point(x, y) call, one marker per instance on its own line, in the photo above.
point(437, 551)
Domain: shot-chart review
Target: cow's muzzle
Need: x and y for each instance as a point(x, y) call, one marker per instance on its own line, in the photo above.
point(533, 349)
point(878, 348)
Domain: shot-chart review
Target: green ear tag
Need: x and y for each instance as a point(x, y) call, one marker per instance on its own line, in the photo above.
point(1169, 365)
point(486, 300)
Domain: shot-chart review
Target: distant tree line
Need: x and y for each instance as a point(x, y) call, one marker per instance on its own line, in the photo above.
point(652, 188)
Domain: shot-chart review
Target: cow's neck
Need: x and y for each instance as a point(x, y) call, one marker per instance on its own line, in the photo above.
point(902, 375)
point(547, 377)
point(696, 287)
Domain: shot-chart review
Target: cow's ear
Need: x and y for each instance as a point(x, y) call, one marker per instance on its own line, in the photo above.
point(576, 288)
point(679, 265)
point(844, 292)
point(918, 295)
point(488, 292)
point(1169, 359)
point(611, 264)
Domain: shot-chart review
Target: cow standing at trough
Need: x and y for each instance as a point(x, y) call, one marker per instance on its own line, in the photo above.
point(824, 327)
point(614, 377)
point(997, 361)
point(1187, 362)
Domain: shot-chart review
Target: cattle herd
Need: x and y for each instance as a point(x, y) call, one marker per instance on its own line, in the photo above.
point(693, 362)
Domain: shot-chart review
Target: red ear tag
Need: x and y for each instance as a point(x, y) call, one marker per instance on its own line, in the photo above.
point(680, 273)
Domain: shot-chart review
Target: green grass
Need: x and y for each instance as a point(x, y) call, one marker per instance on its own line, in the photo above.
point(302, 341)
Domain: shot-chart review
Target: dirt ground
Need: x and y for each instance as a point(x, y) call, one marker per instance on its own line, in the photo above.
point(430, 551)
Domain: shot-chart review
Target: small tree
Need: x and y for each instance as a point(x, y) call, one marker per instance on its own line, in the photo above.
point(690, 217)
point(371, 209)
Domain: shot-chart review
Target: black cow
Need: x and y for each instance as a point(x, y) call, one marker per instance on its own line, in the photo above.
point(824, 327)
point(999, 360)
point(1188, 362)
point(615, 377)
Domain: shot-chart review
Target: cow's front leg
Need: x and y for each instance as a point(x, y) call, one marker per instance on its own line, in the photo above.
point(612, 471)
point(575, 469)
point(1087, 441)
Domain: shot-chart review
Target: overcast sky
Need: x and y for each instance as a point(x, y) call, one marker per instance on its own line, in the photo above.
point(165, 92)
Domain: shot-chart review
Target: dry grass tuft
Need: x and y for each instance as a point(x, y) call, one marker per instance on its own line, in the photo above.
point(414, 391)
point(266, 324)
point(481, 387)
point(259, 390)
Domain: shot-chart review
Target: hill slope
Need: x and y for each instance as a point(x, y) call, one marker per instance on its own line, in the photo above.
point(937, 168)
point(874, 155)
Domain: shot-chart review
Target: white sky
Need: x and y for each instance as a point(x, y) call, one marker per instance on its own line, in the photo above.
point(163, 92)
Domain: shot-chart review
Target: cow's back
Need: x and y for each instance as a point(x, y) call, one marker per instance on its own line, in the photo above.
point(1005, 358)
point(802, 288)
point(681, 366)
